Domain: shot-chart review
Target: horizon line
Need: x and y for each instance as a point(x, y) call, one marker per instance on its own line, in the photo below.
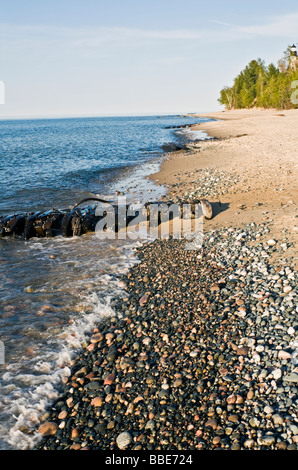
point(76, 116)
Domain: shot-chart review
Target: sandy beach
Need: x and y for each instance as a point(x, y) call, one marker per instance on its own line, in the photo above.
point(201, 352)
point(255, 151)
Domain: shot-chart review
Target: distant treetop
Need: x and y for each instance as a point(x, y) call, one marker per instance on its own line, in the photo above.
point(263, 86)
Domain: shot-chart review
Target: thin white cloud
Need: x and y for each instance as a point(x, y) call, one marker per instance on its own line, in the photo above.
point(37, 39)
point(222, 23)
point(281, 26)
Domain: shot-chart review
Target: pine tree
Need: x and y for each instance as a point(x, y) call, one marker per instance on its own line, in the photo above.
point(261, 86)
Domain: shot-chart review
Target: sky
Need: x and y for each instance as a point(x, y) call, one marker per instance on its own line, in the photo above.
point(132, 57)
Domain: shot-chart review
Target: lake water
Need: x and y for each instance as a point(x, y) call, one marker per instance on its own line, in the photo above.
point(53, 291)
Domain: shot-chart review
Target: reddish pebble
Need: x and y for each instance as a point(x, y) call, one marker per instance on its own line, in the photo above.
point(284, 355)
point(239, 400)
point(216, 440)
point(231, 399)
point(90, 376)
point(109, 337)
point(233, 418)
point(109, 379)
point(48, 429)
point(243, 351)
point(75, 446)
point(96, 338)
point(143, 299)
point(62, 415)
point(69, 402)
point(75, 433)
point(97, 401)
point(212, 423)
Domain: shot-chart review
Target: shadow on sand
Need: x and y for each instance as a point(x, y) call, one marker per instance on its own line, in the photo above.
point(219, 207)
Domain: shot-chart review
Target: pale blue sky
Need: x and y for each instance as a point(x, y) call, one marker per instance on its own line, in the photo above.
point(99, 57)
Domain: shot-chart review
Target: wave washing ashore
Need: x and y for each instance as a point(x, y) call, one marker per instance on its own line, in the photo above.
point(201, 350)
point(53, 291)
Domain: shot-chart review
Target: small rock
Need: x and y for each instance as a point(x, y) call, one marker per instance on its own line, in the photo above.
point(109, 337)
point(147, 341)
point(75, 433)
point(268, 410)
point(231, 399)
point(271, 242)
point(109, 398)
point(276, 373)
point(177, 383)
point(292, 377)
point(96, 338)
point(109, 380)
point(75, 446)
point(48, 429)
point(266, 440)
point(193, 353)
point(123, 440)
point(239, 400)
point(249, 443)
point(212, 423)
point(294, 429)
point(97, 401)
point(62, 415)
point(284, 355)
point(242, 351)
point(233, 418)
point(216, 440)
point(143, 299)
point(277, 419)
point(150, 425)
point(254, 422)
point(215, 288)
point(287, 289)
point(69, 402)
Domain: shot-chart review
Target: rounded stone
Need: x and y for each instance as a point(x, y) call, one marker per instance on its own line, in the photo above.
point(266, 440)
point(249, 443)
point(48, 429)
point(212, 423)
point(123, 440)
point(287, 289)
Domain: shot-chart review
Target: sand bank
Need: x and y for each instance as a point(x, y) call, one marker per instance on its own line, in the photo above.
point(256, 152)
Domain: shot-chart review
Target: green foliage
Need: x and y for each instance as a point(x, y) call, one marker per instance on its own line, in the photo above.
point(262, 86)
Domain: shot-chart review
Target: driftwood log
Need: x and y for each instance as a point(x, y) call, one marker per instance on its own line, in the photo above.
point(77, 221)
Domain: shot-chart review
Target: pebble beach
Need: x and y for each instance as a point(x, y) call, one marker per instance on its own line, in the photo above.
point(201, 352)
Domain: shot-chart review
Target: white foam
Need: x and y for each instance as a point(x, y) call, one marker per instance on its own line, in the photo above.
point(28, 394)
point(27, 405)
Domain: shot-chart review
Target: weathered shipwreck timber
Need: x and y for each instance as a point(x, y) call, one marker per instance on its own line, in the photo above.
point(77, 221)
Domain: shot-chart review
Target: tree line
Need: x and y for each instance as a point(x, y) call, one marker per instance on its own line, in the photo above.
point(262, 86)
